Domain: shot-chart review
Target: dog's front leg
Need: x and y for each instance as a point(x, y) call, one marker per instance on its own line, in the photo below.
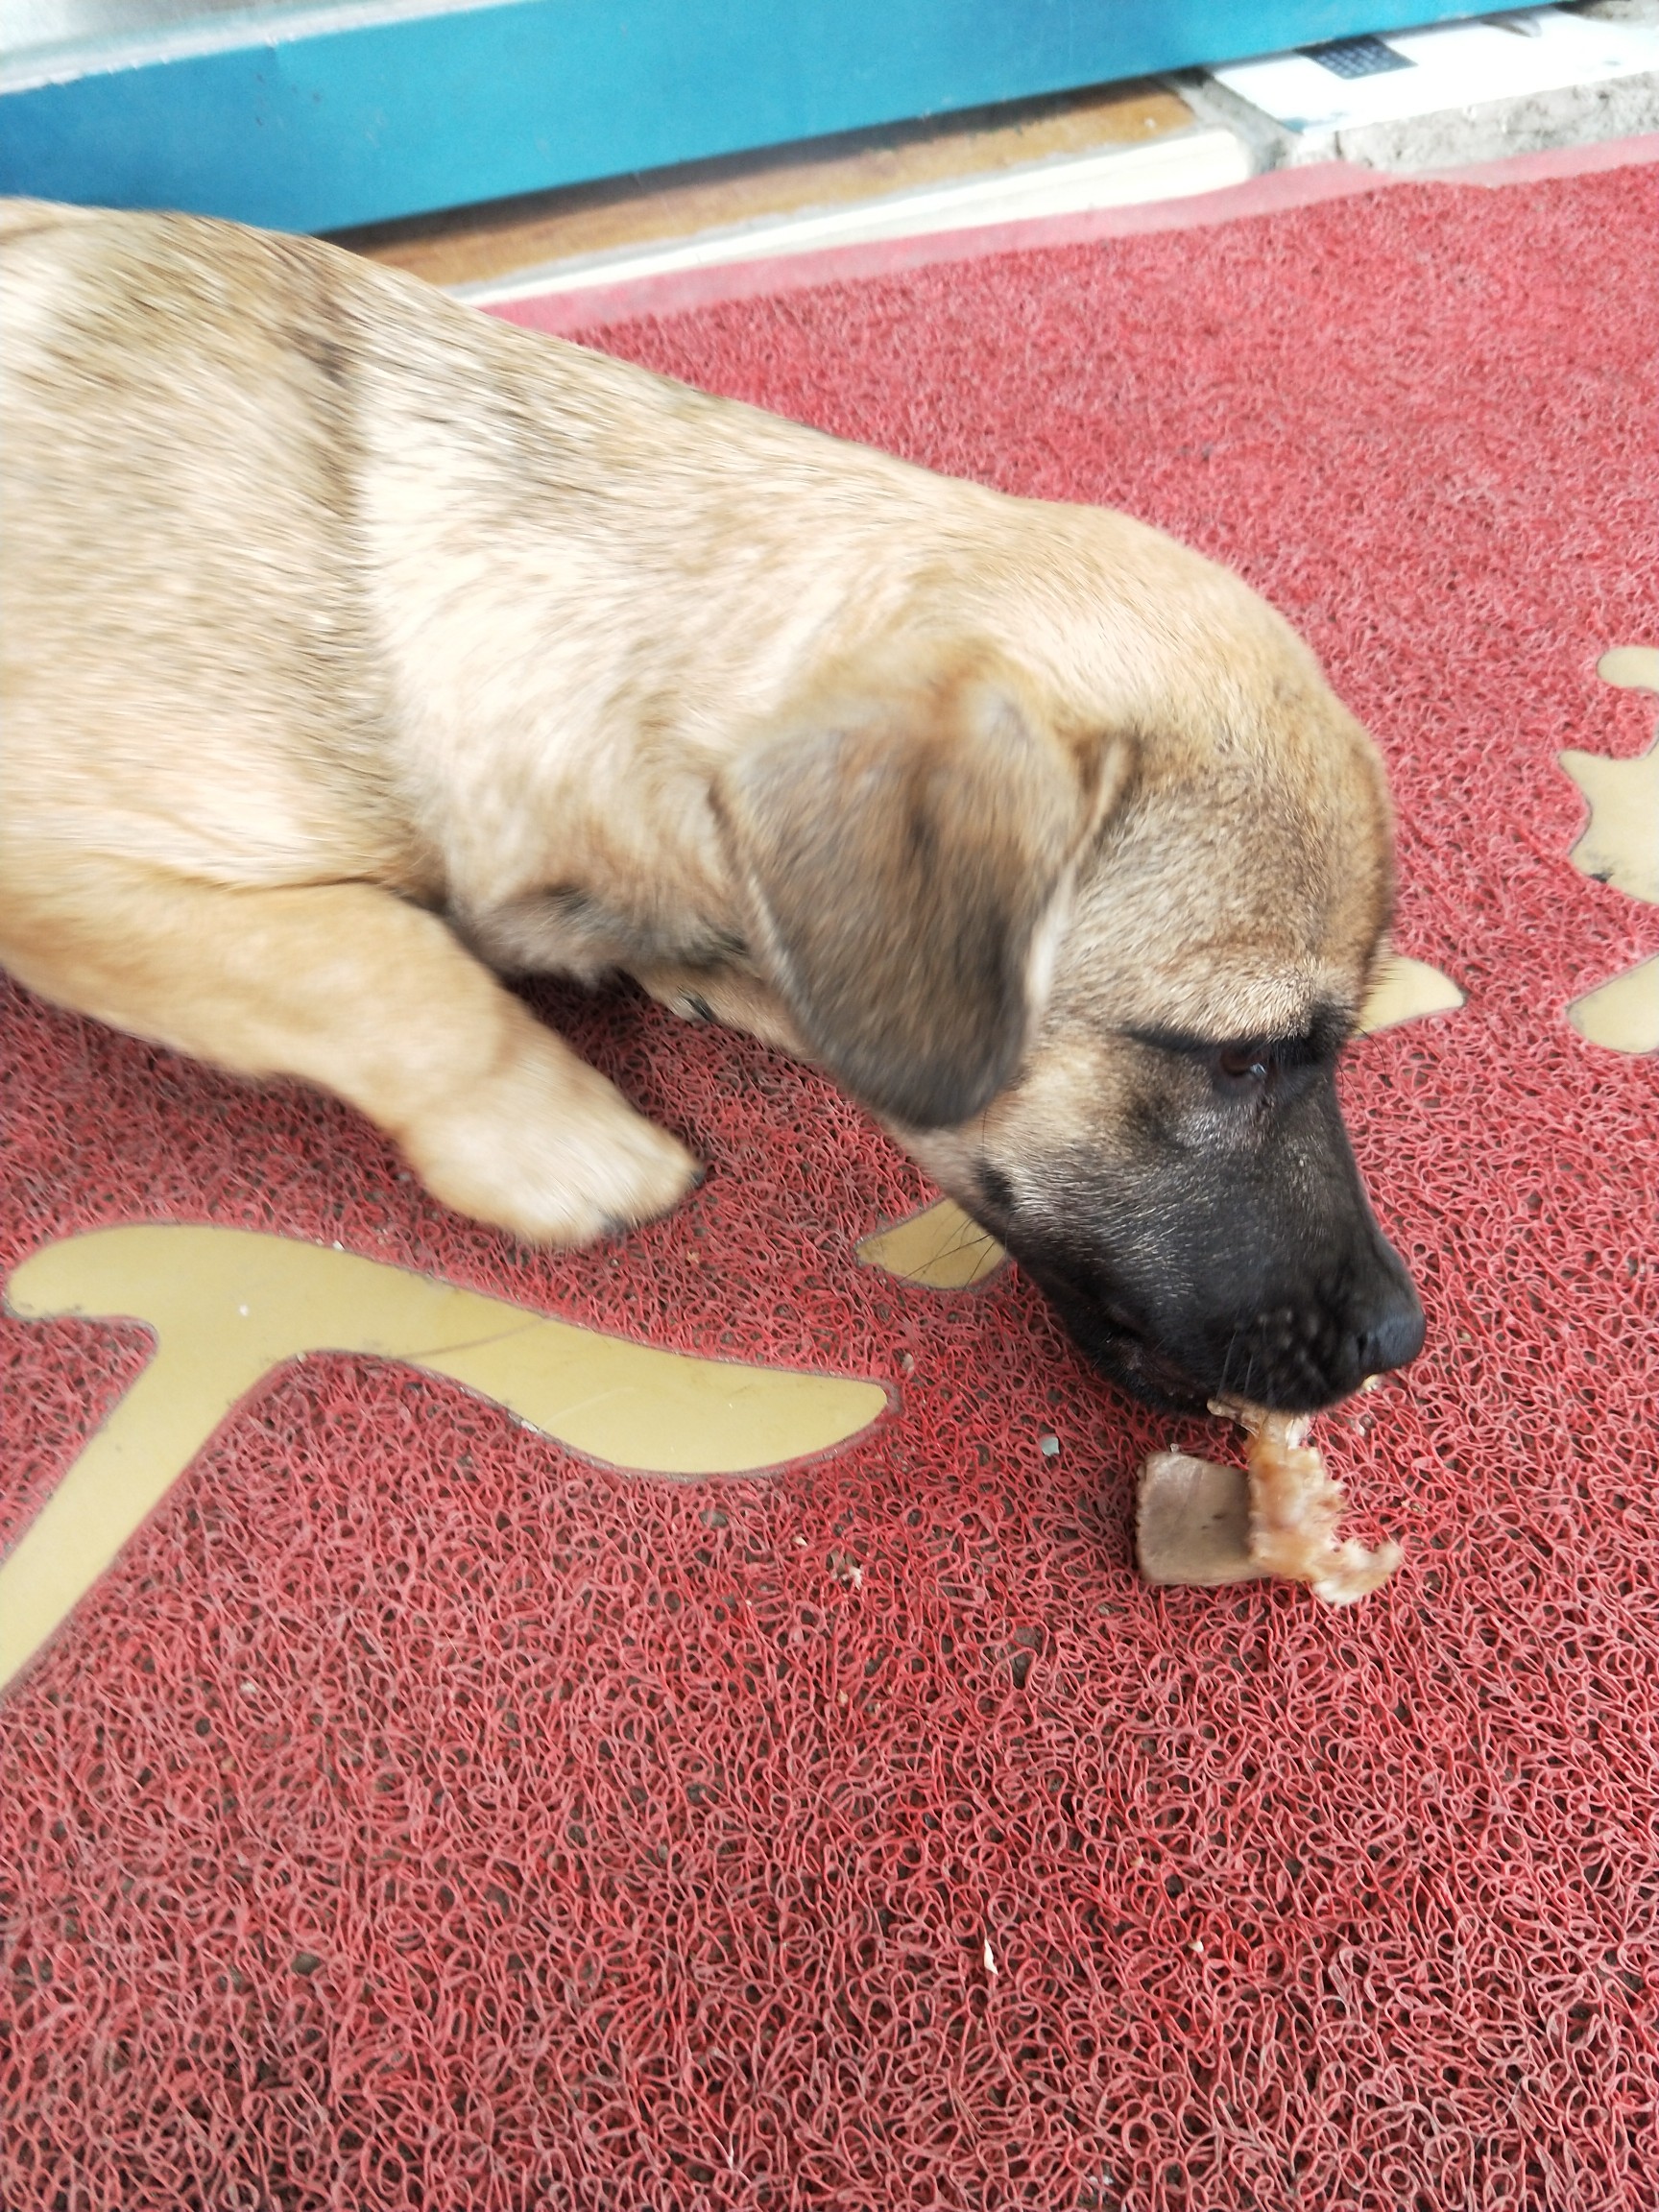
point(353, 989)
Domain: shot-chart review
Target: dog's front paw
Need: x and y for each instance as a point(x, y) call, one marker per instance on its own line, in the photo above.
point(733, 998)
point(547, 1148)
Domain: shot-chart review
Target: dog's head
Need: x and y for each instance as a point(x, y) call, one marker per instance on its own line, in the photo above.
point(1089, 940)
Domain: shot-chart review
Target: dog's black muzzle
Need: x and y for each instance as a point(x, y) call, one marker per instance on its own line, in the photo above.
point(1265, 1278)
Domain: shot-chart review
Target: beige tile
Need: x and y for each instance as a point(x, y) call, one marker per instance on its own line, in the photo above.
point(1174, 168)
point(1620, 847)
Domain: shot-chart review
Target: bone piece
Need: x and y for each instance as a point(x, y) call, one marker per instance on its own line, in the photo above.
point(1202, 1526)
point(1192, 1525)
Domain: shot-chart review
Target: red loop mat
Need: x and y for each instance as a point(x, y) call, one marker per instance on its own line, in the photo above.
point(419, 1816)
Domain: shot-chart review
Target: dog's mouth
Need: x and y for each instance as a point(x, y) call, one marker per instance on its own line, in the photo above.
point(1295, 1356)
point(1112, 1337)
point(1121, 1349)
point(1137, 1366)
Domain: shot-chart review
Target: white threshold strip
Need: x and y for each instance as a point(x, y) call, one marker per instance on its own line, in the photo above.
point(1175, 167)
point(1401, 76)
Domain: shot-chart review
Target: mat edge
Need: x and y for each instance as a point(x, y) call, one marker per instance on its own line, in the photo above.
point(1274, 191)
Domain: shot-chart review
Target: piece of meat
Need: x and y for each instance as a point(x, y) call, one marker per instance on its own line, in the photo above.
point(1203, 1524)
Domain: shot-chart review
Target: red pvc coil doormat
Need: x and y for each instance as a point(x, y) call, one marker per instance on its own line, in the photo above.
point(420, 1815)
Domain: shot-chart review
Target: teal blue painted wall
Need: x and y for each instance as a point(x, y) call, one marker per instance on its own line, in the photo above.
point(321, 132)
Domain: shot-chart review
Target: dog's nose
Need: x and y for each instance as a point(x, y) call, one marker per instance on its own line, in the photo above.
point(1391, 1333)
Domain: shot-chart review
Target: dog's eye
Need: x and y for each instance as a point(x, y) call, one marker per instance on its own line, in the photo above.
point(1240, 1063)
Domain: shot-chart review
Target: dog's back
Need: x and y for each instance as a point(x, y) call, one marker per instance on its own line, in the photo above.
point(182, 619)
point(272, 518)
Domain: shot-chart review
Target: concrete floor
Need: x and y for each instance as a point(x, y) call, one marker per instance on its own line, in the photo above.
point(1449, 138)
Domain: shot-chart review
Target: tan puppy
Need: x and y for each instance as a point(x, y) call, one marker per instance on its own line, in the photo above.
point(355, 645)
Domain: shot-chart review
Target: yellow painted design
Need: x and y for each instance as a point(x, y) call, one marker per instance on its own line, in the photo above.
point(228, 1306)
point(1623, 1015)
point(1620, 842)
point(1631, 667)
point(1405, 990)
point(940, 1248)
point(1621, 846)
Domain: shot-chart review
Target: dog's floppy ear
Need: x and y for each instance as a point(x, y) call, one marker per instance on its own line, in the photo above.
point(902, 844)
